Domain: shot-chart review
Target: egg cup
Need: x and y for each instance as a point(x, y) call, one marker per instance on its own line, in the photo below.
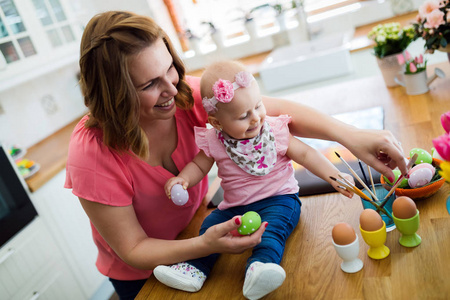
point(349, 254)
point(408, 229)
point(381, 192)
point(375, 240)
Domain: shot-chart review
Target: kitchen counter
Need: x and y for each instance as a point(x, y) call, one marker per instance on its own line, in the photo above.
point(51, 153)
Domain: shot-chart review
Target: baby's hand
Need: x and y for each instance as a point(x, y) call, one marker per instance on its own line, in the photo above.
point(339, 187)
point(172, 181)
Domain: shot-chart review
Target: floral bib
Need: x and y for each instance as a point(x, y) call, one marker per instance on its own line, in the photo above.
point(256, 156)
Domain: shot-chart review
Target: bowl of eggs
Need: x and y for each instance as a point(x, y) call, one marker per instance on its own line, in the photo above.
point(424, 179)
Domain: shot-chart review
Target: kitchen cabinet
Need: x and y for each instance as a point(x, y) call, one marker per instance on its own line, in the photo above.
point(32, 267)
point(70, 227)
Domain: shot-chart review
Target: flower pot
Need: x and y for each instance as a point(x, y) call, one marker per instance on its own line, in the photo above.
point(389, 68)
point(418, 83)
point(195, 44)
point(282, 22)
point(446, 49)
point(252, 29)
point(218, 39)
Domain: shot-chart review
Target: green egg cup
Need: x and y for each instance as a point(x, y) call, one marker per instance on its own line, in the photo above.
point(408, 229)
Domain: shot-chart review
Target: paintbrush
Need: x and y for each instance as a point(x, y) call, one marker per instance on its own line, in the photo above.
point(348, 185)
point(356, 176)
point(362, 171)
point(371, 179)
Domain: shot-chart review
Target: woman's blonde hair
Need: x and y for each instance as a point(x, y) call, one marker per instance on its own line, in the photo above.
point(108, 41)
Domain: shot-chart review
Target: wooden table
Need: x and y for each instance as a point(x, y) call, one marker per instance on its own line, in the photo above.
point(311, 263)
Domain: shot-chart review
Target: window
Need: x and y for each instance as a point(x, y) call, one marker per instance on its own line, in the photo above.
point(229, 15)
point(15, 42)
point(55, 22)
point(36, 37)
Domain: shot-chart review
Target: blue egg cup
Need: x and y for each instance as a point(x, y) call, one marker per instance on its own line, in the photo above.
point(381, 192)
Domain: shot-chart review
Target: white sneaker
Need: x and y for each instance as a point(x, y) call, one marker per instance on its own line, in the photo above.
point(181, 276)
point(261, 279)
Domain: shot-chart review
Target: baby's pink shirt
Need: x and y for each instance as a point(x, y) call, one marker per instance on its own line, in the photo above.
point(96, 173)
point(240, 187)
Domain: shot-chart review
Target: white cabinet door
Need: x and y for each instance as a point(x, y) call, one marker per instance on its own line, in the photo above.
point(32, 267)
point(57, 283)
point(66, 219)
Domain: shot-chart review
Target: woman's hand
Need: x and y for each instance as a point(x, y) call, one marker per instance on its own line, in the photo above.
point(219, 239)
point(377, 148)
point(172, 181)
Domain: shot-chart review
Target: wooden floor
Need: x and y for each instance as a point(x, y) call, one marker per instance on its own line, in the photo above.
point(114, 296)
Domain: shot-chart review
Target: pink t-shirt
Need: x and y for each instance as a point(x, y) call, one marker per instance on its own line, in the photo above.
point(240, 187)
point(96, 173)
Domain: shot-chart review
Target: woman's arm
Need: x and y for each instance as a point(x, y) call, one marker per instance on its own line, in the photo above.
point(122, 231)
point(377, 148)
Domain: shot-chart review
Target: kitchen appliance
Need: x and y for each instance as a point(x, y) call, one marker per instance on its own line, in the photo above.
point(16, 208)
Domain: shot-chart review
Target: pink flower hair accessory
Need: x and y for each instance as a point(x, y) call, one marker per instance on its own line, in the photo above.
point(224, 90)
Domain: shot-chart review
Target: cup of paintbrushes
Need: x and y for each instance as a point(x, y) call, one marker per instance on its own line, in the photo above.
point(381, 192)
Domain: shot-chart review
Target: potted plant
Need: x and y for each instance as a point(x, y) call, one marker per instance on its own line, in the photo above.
point(415, 78)
point(390, 39)
point(194, 41)
point(433, 25)
point(216, 35)
point(279, 10)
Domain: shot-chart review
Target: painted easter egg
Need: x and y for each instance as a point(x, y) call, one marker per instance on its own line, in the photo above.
point(421, 166)
point(397, 174)
point(423, 156)
point(250, 223)
point(420, 177)
point(179, 195)
point(436, 154)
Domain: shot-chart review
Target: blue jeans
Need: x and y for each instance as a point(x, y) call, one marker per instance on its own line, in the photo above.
point(127, 289)
point(282, 212)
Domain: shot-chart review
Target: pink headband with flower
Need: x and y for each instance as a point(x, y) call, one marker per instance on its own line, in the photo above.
point(224, 90)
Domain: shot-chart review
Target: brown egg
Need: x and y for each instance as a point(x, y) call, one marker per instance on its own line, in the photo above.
point(343, 234)
point(404, 208)
point(370, 220)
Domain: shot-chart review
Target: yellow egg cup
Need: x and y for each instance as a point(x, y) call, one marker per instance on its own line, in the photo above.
point(408, 229)
point(375, 240)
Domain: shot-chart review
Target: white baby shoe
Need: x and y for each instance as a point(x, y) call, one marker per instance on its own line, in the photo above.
point(181, 276)
point(261, 279)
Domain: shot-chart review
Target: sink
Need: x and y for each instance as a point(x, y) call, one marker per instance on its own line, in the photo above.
point(307, 62)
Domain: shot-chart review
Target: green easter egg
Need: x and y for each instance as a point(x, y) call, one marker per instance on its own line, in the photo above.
point(250, 223)
point(423, 156)
point(404, 183)
point(397, 174)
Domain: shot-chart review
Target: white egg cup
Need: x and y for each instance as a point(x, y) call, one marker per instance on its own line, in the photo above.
point(349, 254)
